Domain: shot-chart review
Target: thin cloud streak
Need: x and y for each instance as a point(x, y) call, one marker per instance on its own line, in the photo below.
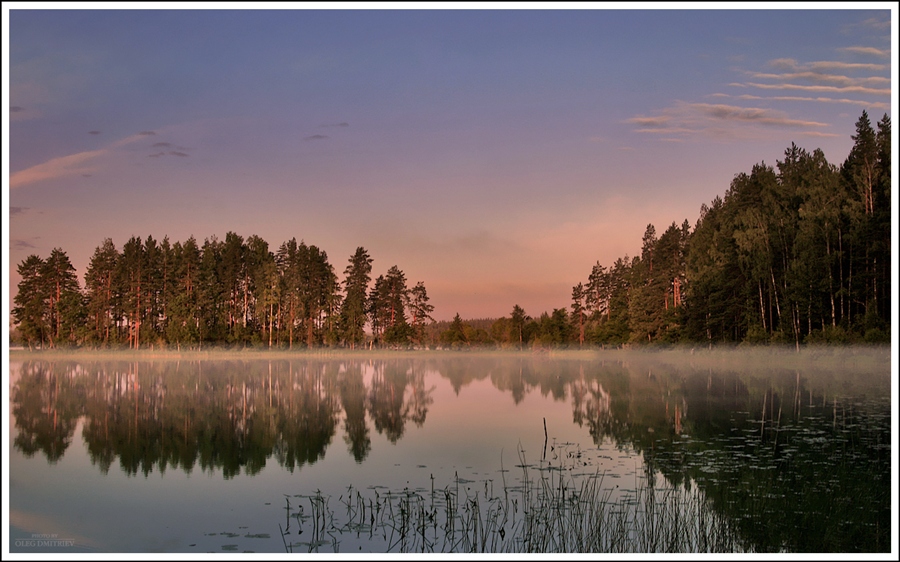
point(705, 118)
point(876, 23)
point(753, 115)
point(820, 78)
point(73, 164)
point(862, 103)
point(819, 66)
point(820, 134)
point(70, 165)
point(669, 131)
point(21, 244)
point(818, 88)
point(883, 53)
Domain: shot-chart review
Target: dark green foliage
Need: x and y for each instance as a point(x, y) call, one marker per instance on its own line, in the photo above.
point(353, 310)
point(799, 252)
point(553, 329)
point(183, 323)
point(30, 310)
point(518, 319)
point(795, 252)
point(232, 292)
point(386, 308)
point(50, 308)
point(420, 310)
point(99, 291)
point(578, 311)
point(455, 335)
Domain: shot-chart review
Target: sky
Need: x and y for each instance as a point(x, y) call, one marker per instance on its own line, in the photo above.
point(495, 155)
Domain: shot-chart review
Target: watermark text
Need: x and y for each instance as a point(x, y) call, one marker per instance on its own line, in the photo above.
point(43, 540)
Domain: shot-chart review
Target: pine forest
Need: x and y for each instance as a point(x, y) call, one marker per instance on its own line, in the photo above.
point(795, 253)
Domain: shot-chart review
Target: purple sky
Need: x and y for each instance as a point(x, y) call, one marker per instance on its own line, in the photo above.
point(493, 155)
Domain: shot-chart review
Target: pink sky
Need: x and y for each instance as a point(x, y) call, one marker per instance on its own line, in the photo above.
point(493, 155)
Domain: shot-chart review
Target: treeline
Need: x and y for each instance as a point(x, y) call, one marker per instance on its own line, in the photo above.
point(795, 253)
point(231, 292)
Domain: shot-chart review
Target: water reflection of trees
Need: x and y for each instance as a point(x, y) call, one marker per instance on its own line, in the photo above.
point(800, 461)
point(306, 414)
point(352, 391)
point(226, 415)
point(46, 407)
point(758, 443)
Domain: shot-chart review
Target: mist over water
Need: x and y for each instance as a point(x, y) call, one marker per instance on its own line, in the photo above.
point(209, 451)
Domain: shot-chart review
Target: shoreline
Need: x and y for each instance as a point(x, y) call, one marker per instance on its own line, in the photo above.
point(722, 355)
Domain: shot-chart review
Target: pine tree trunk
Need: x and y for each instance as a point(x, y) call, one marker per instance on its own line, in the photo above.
point(762, 312)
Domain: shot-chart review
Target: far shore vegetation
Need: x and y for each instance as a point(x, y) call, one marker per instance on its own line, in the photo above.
point(848, 359)
point(795, 254)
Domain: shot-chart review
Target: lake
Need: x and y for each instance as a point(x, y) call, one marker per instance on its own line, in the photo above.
point(757, 450)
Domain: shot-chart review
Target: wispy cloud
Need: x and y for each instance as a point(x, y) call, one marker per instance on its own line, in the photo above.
point(821, 88)
point(792, 65)
point(13, 211)
point(21, 113)
point(341, 124)
point(881, 53)
point(863, 103)
point(822, 78)
point(819, 134)
point(789, 80)
point(762, 116)
point(669, 130)
point(72, 164)
point(316, 137)
point(93, 132)
point(651, 122)
point(81, 163)
point(876, 23)
point(19, 244)
point(714, 119)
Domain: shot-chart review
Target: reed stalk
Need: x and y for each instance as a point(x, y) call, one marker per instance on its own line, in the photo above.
point(551, 513)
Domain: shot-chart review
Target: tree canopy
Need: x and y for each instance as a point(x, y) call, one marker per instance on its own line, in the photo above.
point(798, 252)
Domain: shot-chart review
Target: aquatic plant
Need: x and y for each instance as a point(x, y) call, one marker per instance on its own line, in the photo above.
point(548, 513)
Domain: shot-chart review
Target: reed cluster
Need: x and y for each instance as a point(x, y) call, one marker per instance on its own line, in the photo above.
point(548, 513)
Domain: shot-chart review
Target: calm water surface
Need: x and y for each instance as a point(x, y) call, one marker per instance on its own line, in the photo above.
point(216, 455)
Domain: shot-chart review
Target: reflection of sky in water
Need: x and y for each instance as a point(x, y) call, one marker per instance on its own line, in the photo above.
point(470, 434)
point(470, 429)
